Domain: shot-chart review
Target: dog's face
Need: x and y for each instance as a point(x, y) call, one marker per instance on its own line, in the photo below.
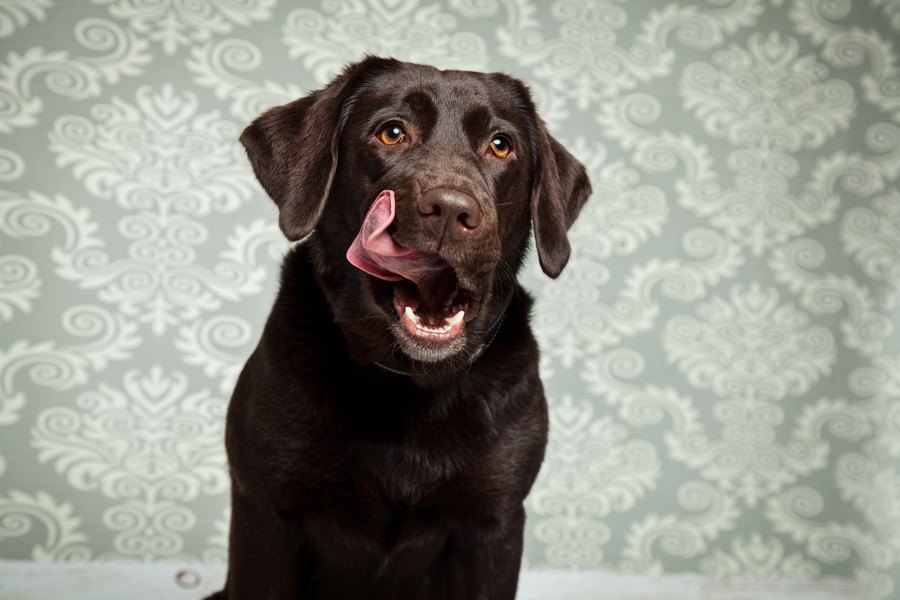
point(467, 166)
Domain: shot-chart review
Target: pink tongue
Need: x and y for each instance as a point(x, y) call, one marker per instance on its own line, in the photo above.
point(375, 251)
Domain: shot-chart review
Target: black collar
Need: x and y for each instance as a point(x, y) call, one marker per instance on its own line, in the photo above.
point(392, 365)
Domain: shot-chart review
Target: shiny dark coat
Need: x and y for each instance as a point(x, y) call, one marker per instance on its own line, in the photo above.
point(350, 481)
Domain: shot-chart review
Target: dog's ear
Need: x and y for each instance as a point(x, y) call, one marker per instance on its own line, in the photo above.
point(561, 187)
point(293, 148)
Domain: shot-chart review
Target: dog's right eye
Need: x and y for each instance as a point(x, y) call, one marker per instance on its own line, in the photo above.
point(391, 134)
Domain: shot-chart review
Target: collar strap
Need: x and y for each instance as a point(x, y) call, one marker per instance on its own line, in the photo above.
point(393, 365)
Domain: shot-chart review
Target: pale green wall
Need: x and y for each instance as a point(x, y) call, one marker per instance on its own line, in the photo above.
point(721, 356)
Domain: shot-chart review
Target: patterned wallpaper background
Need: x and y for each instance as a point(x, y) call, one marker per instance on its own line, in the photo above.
point(722, 355)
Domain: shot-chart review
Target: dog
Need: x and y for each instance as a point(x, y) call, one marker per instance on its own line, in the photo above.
point(384, 433)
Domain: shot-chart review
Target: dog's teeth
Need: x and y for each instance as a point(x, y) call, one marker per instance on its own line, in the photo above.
point(448, 324)
point(455, 319)
point(413, 317)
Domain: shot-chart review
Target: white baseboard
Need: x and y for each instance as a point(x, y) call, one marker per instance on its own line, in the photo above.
point(56, 581)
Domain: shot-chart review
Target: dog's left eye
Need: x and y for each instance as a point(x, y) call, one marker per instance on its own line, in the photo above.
point(500, 146)
point(391, 134)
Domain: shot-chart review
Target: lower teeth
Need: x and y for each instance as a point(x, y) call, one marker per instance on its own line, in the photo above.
point(449, 323)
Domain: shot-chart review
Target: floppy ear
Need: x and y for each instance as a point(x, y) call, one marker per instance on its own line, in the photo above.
point(293, 148)
point(561, 187)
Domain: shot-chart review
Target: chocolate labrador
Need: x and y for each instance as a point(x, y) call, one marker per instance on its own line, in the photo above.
point(384, 433)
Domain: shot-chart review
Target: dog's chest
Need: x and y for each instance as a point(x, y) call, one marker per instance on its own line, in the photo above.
point(408, 474)
point(393, 499)
point(447, 474)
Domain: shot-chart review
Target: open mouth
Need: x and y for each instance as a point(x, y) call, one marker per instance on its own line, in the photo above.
point(431, 306)
point(434, 310)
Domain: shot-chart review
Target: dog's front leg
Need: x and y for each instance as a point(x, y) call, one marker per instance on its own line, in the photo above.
point(265, 555)
point(482, 562)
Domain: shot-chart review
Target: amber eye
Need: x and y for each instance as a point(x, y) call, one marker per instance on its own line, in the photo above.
point(391, 134)
point(500, 146)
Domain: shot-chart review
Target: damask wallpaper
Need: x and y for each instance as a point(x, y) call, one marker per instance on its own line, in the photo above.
point(721, 356)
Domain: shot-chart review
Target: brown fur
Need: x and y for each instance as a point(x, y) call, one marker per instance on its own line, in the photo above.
point(350, 481)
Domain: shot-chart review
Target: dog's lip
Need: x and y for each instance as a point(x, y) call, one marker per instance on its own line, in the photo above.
point(432, 326)
point(428, 328)
point(466, 302)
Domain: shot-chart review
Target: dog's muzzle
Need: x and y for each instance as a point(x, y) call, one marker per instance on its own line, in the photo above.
point(430, 305)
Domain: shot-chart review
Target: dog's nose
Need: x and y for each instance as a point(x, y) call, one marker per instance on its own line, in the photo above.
point(446, 209)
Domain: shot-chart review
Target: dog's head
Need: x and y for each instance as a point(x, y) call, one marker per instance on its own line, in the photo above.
point(427, 181)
